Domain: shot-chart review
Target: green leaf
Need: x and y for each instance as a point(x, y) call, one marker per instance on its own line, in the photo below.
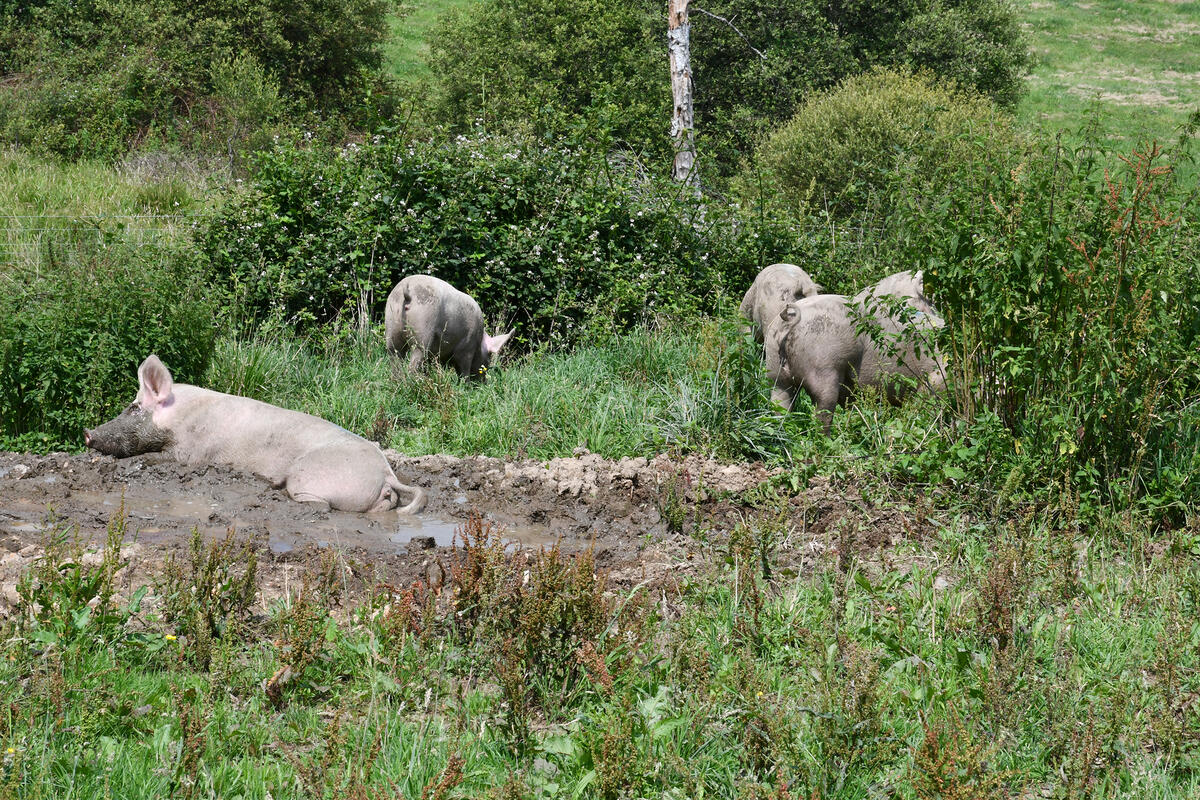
point(666, 727)
point(588, 778)
point(81, 617)
point(45, 636)
point(559, 745)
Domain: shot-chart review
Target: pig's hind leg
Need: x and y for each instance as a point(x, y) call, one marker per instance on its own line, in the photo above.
point(334, 478)
point(320, 503)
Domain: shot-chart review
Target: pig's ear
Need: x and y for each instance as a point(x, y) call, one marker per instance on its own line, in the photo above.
point(492, 344)
point(154, 382)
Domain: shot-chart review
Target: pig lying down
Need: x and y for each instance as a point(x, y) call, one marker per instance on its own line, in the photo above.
point(313, 459)
point(428, 316)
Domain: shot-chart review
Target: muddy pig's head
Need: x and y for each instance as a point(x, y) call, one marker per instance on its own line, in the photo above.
point(133, 431)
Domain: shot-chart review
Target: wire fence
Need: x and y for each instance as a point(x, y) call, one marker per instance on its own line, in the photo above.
point(28, 239)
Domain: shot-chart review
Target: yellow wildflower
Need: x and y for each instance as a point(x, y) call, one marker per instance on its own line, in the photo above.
point(170, 637)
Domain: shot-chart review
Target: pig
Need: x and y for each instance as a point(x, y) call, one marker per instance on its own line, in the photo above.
point(909, 285)
point(313, 459)
point(825, 345)
point(426, 315)
point(775, 287)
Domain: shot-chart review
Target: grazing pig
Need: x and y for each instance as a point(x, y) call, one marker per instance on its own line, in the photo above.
point(826, 345)
point(909, 285)
point(429, 316)
point(315, 460)
point(775, 287)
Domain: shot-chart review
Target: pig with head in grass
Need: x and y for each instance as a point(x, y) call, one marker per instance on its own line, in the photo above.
point(830, 344)
point(313, 459)
point(427, 317)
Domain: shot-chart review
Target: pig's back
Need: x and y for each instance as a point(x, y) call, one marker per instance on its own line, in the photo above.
point(213, 427)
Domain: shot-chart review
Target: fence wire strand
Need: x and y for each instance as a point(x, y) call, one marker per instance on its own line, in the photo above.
point(26, 238)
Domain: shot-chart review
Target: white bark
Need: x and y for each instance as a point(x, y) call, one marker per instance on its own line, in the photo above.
point(683, 131)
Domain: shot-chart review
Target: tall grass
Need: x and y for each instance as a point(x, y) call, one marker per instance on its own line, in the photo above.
point(966, 659)
point(543, 405)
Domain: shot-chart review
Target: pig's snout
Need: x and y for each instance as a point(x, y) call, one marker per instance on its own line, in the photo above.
point(87, 438)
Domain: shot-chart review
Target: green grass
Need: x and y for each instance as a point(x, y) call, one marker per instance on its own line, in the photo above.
point(1016, 658)
point(1137, 65)
point(406, 53)
point(44, 204)
point(617, 398)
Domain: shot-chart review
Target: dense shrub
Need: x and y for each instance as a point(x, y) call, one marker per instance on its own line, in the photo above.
point(844, 147)
point(545, 234)
point(976, 43)
point(1069, 285)
point(73, 333)
point(94, 79)
point(505, 61)
point(753, 62)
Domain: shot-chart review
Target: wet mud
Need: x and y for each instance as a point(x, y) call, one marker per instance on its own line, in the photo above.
point(647, 520)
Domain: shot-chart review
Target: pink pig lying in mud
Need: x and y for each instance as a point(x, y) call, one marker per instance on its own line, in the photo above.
point(315, 460)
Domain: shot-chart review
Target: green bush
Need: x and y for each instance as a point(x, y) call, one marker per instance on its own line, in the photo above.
point(95, 79)
point(73, 332)
point(843, 147)
point(1069, 286)
point(548, 235)
point(753, 62)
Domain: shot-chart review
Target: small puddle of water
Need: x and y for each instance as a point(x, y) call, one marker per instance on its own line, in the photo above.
point(384, 533)
point(162, 519)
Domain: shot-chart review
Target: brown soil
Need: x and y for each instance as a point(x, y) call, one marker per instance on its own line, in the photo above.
point(616, 507)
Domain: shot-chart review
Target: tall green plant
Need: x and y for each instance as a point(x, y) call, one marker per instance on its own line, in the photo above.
point(1068, 283)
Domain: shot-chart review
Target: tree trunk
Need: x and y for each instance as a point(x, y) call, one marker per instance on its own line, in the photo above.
point(683, 132)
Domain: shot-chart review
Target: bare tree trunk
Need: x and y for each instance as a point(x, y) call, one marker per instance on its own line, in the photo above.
point(683, 126)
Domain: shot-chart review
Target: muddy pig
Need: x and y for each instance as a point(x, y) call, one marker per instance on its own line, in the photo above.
point(428, 316)
point(775, 287)
point(313, 459)
point(826, 345)
point(908, 285)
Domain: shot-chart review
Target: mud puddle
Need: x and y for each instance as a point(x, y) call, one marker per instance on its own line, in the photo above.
point(614, 508)
point(156, 519)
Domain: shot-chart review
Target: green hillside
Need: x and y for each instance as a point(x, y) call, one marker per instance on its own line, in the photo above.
point(1138, 64)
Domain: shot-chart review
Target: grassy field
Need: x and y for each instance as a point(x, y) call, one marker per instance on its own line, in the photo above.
point(407, 52)
point(45, 205)
point(938, 637)
point(1136, 66)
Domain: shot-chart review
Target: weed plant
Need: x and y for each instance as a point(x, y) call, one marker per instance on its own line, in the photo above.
point(975, 672)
